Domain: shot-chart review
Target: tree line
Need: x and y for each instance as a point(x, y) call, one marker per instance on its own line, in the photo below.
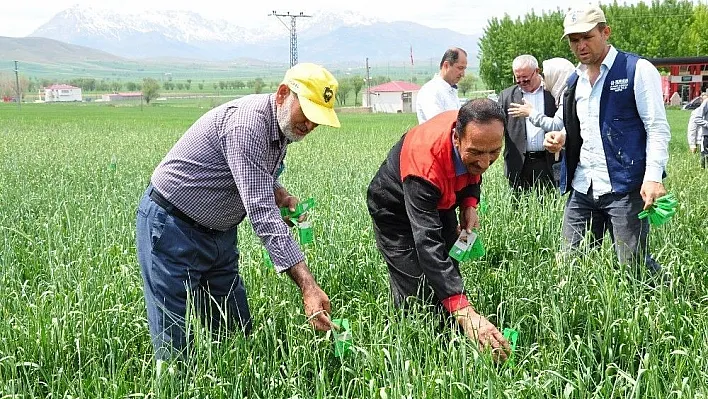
point(668, 28)
point(151, 88)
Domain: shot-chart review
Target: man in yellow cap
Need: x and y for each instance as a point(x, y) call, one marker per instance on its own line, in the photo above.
point(224, 168)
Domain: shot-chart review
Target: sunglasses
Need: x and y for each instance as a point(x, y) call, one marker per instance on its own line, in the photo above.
point(527, 80)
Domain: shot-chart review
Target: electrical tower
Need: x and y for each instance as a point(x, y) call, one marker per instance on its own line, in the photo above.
point(293, 32)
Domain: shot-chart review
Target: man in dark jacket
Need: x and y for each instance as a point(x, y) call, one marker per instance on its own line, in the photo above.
point(526, 163)
point(435, 168)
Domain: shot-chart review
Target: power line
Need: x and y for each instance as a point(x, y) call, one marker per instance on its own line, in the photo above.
point(293, 32)
point(17, 86)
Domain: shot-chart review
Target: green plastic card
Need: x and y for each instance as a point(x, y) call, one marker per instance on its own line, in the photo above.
point(512, 336)
point(342, 338)
point(266, 258)
point(300, 208)
point(305, 233)
point(482, 207)
point(467, 247)
point(661, 211)
point(461, 247)
point(476, 250)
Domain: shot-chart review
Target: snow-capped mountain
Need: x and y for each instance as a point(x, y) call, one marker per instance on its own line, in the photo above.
point(330, 36)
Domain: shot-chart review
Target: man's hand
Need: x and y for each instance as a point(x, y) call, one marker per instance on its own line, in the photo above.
point(522, 110)
point(469, 220)
point(283, 199)
point(554, 141)
point(693, 149)
point(651, 190)
point(317, 306)
point(479, 329)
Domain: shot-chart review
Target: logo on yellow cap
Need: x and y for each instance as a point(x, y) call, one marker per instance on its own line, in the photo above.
point(328, 94)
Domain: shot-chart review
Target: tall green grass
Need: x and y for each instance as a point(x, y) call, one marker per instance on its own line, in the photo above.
point(73, 317)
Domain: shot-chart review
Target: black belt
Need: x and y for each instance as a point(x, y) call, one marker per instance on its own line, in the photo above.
point(536, 154)
point(174, 211)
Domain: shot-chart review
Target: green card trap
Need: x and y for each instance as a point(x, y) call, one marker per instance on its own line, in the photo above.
point(300, 208)
point(304, 231)
point(512, 336)
point(266, 258)
point(342, 338)
point(468, 246)
point(661, 211)
point(483, 207)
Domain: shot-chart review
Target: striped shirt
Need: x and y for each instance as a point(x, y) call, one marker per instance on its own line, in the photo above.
point(225, 167)
point(535, 135)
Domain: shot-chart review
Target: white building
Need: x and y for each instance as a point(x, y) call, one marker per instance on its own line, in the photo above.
point(62, 93)
point(392, 97)
point(132, 95)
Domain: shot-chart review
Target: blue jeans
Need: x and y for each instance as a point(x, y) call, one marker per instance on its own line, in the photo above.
point(180, 262)
point(617, 213)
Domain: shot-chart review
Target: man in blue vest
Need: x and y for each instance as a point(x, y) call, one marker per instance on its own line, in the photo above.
point(616, 141)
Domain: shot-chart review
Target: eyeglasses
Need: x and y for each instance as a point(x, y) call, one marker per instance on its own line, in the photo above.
point(527, 80)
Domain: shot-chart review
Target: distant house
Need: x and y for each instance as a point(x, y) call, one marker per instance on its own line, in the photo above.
point(392, 97)
point(132, 95)
point(62, 93)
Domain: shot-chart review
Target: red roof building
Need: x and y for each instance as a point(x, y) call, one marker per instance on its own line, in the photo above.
point(395, 86)
point(392, 97)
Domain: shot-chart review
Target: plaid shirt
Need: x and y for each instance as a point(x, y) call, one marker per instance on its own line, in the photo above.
point(226, 167)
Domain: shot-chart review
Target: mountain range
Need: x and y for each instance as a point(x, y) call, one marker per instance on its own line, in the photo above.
point(326, 37)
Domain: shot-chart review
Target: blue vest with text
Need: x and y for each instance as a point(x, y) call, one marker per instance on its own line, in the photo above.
point(621, 129)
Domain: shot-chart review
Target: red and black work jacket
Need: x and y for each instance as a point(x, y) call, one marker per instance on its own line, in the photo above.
point(417, 189)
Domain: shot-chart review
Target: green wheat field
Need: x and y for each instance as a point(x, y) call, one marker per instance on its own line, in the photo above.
point(72, 314)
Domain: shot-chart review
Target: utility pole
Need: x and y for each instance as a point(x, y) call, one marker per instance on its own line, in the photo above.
point(17, 86)
point(293, 32)
point(368, 85)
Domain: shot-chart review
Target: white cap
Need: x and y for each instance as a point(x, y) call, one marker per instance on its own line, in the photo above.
point(582, 20)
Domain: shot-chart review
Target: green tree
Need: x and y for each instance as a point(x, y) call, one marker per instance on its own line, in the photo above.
point(345, 87)
point(467, 83)
point(380, 80)
point(668, 28)
point(103, 85)
point(357, 83)
point(86, 84)
point(258, 86)
point(131, 86)
point(8, 86)
point(151, 89)
point(694, 41)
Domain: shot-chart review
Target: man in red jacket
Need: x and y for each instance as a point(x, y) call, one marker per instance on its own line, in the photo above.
point(435, 168)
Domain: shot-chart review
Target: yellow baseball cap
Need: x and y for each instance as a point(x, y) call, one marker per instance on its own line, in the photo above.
point(315, 88)
point(582, 20)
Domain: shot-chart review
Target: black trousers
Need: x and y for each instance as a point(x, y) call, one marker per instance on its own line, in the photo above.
point(536, 173)
point(407, 280)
